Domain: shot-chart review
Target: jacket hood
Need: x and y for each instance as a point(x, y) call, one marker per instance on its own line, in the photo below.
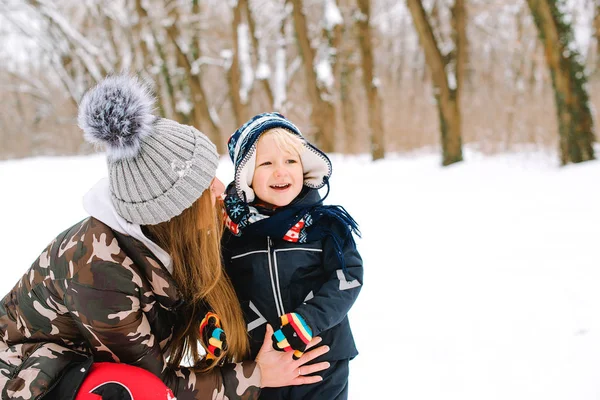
point(98, 204)
point(242, 151)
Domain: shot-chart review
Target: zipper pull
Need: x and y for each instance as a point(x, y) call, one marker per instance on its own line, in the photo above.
point(269, 241)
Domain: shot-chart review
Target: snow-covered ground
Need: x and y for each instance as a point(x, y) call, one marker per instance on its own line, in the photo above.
point(482, 280)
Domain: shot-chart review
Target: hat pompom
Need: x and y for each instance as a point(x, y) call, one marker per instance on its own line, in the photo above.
point(117, 113)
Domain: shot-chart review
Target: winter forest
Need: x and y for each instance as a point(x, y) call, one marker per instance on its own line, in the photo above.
point(357, 76)
point(463, 136)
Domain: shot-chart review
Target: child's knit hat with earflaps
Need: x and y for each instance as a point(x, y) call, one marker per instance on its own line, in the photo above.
point(242, 150)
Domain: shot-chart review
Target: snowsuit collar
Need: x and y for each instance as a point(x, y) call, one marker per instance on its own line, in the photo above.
point(305, 219)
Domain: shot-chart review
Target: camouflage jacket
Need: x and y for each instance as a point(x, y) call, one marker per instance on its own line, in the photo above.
point(97, 294)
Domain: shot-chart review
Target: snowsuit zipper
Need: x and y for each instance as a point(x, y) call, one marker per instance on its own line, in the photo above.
point(274, 274)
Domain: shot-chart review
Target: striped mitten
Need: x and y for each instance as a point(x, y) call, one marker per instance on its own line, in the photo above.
point(294, 334)
point(212, 337)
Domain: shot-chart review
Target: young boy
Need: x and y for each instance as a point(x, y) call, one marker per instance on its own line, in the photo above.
point(292, 260)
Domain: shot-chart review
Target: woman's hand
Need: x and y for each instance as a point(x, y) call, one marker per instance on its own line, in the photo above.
point(280, 369)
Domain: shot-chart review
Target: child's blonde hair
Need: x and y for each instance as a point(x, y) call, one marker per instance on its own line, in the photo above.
point(285, 140)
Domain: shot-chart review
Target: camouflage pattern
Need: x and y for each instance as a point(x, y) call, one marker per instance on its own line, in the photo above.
point(96, 293)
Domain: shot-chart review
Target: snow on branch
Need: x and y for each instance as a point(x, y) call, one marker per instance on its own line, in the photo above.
point(280, 79)
point(324, 73)
point(246, 70)
point(71, 33)
point(333, 16)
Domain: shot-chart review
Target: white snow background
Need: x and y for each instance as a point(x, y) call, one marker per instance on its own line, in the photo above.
point(482, 280)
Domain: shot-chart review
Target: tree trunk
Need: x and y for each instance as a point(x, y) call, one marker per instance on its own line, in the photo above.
point(257, 49)
point(459, 27)
point(334, 40)
point(400, 51)
point(370, 81)
point(323, 112)
point(348, 108)
point(518, 84)
point(200, 108)
point(575, 124)
point(347, 66)
point(596, 34)
point(167, 103)
point(446, 94)
point(280, 79)
point(459, 35)
point(240, 108)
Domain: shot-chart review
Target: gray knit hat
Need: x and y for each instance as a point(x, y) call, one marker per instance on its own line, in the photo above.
point(157, 167)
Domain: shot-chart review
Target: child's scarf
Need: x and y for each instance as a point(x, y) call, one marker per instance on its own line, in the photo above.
point(304, 220)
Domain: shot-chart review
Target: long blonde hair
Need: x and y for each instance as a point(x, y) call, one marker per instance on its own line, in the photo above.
point(193, 239)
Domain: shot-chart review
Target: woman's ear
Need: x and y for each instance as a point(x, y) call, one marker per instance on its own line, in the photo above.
point(217, 189)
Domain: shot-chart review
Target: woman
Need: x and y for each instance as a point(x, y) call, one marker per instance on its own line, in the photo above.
point(131, 283)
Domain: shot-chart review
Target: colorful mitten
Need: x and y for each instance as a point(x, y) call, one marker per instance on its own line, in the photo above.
point(294, 334)
point(212, 336)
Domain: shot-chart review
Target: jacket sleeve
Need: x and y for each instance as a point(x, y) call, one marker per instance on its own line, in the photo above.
point(115, 327)
point(334, 299)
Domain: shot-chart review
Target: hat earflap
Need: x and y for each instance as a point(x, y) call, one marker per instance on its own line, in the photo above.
point(316, 167)
point(244, 176)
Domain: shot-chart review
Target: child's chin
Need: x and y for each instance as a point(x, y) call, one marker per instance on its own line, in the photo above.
point(281, 202)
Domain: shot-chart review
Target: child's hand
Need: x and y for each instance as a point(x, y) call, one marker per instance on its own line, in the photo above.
point(212, 337)
point(294, 334)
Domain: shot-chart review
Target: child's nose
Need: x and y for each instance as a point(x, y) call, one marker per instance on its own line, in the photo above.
point(280, 171)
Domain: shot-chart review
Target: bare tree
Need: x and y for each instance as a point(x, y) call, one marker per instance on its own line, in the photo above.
point(202, 116)
point(77, 61)
point(280, 76)
point(370, 81)
point(239, 74)
point(151, 49)
point(348, 66)
point(517, 71)
point(596, 33)
point(263, 71)
point(291, 59)
point(322, 114)
point(446, 76)
point(568, 79)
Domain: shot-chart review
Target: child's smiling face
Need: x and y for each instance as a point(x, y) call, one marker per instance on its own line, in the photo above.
point(278, 175)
